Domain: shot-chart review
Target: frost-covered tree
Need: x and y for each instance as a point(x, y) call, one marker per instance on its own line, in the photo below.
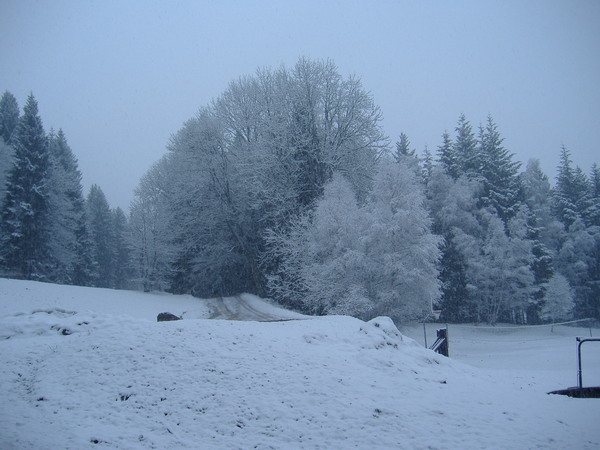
point(447, 157)
point(257, 157)
point(403, 149)
point(6, 162)
point(569, 196)
point(68, 231)
point(101, 235)
point(364, 260)
point(24, 249)
point(122, 270)
point(328, 254)
point(578, 260)
point(464, 149)
point(9, 117)
point(151, 239)
point(498, 172)
point(402, 251)
point(453, 205)
point(499, 273)
point(558, 300)
point(428, 165)
point(593, 212)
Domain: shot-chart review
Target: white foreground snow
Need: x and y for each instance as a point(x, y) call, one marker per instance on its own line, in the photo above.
point(91, 368)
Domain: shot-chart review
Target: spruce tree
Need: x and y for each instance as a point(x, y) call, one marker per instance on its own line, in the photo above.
point(403, 148)
point(593, 212)
point(565, 195)
point(9, 116)
point(404, 154)
point(121, 252)
point(68, 241)
point(25, 249)
point(100, 228)
point(465, 149)
point(427, 165)
point(453, 277)
point(502, 189)
point(448, 158)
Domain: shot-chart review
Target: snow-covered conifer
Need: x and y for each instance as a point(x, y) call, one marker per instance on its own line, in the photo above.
point(24, 249)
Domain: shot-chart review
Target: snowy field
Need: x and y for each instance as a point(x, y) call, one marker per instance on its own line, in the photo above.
point(91, 368)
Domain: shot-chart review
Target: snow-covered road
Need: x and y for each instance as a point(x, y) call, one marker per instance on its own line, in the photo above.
point(248, 307)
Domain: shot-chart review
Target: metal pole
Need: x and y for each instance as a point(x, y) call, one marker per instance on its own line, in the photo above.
point(425, 335)
point(579, 376)
point(580, 341)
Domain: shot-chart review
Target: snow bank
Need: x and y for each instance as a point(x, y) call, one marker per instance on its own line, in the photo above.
point(119, 380)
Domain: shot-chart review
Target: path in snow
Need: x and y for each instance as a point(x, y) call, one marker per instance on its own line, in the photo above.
point(249, 308)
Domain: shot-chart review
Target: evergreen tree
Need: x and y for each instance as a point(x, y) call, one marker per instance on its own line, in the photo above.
point(499, 274)
point(9, 116)
point(427, 165)
point(403, 148)
point(498, 173)
point(68, 237)
point(583, 188)
point(579, 261)
point(405, 155)
point(6, 162)
point(593, 211)
point(100, 226)
point(448, 157)
point(465, 150)
point(122, 264)
point(453, 277)
point(566, 197)
point(25, 249)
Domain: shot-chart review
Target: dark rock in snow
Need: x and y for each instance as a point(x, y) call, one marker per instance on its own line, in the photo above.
point(166, 316)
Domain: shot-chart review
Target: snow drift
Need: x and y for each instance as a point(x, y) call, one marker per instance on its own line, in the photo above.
point(92, 367)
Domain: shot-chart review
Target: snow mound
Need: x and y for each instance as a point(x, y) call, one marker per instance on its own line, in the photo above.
point(123, 380)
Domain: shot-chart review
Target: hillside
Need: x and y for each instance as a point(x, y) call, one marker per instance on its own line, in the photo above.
point(86, 368)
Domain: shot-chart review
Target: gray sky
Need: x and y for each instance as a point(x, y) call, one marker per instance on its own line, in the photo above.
point(119, 77)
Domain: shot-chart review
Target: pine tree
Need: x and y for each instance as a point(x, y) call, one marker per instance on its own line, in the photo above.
point(465, 150)
point(583, 200)
point(565, 195)
point(593, 211)
point(403, 148)
point(100, 228)
point(453, 277)
point(427, 165)
point(25, 249)
point(6, 162)
point(68, 237)
point(499, 173)
point(405, 155)
point(9, 116)
point(448, 158)
point(122, 265)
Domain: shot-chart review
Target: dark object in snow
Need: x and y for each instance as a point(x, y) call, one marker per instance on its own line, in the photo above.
point(580, 391)
point(577, 392)
point(441, 344)
point(166, 316)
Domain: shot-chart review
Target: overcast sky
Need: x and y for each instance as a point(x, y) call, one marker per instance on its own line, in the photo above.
point(119, 77)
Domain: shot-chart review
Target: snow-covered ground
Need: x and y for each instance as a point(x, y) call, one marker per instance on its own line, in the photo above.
point(84, 368)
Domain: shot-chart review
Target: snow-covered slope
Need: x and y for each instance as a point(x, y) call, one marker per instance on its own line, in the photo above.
point(86, 368)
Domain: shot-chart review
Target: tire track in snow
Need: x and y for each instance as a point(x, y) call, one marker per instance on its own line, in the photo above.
point(236, 308)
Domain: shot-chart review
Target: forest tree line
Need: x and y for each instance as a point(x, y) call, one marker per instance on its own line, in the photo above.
point(286, 186)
